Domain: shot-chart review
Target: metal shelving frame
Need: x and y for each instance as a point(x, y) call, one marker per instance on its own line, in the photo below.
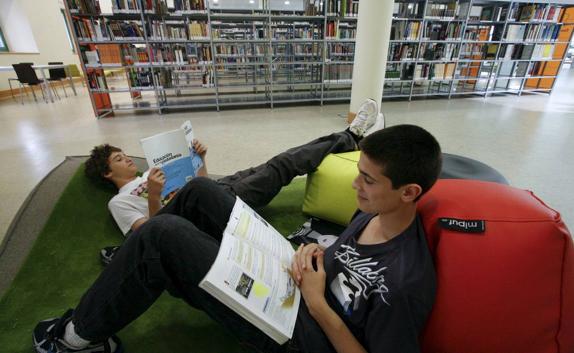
point(316, 91)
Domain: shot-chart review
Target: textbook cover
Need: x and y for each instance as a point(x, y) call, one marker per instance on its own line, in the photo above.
point(173, 152)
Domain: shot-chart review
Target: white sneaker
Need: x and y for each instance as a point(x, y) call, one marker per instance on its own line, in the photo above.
point(378, 125)
point(365, 118)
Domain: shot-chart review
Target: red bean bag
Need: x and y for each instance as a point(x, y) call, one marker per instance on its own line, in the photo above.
point(505, 271)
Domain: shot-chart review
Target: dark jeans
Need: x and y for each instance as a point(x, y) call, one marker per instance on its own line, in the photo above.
point(175, 249)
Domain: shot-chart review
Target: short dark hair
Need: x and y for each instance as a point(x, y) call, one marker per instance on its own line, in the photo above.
point(407, 154)
point(98, 164)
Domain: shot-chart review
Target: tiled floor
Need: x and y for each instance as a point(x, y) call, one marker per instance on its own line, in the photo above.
point(529, 139)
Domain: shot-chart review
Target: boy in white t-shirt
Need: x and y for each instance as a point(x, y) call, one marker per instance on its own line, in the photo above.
point(138, 197)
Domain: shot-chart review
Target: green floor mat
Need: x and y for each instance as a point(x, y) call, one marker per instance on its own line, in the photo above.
point(64, 261)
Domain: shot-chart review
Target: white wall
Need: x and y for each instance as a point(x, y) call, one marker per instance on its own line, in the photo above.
point(46, 31)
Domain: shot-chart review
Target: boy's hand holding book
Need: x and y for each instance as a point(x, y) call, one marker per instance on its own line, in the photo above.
point(155, 182)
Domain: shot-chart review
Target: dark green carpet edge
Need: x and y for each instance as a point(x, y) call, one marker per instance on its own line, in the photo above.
point(64, 261)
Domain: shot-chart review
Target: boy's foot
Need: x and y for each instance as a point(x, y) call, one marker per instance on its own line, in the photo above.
point(48, 338)
point(107, 254)
point(365, 118)
point(378, 125)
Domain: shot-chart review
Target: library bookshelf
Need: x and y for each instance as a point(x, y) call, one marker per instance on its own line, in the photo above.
point(183, 54)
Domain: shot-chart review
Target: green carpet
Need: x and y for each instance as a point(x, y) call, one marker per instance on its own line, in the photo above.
point(64, 261)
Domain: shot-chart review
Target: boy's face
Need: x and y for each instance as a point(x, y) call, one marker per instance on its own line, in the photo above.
point(121, 166)
point(375, 193)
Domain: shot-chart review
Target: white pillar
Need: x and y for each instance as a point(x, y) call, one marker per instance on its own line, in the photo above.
point(371, 47)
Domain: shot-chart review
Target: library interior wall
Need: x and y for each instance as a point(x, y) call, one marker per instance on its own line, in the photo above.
point(47, 30)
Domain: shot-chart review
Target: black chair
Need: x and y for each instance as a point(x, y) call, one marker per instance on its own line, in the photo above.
point(58, 75)
point(27, 76)
point(15, 79)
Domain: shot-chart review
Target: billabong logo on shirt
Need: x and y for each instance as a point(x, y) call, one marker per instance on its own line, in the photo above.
point(463, 225)
point(363, 277)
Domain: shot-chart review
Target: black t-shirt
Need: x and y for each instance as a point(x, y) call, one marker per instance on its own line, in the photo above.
point(383, 292)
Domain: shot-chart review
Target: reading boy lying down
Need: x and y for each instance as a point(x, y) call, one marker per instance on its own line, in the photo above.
point(372, 290)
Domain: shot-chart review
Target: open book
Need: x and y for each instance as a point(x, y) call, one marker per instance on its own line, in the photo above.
point(173, 152)
point(250, 274)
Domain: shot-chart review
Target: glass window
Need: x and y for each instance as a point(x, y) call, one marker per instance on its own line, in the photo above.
point(3, 45)
point(68, 30)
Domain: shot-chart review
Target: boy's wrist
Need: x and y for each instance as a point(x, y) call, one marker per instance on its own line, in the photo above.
point(318, 307)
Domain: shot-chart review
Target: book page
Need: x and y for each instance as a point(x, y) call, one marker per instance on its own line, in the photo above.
point(251, 273)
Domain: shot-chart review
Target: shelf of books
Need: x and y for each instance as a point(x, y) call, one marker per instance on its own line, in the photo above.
point(169, 54)
point(476, 47)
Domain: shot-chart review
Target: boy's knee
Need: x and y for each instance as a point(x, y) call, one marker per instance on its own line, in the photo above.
point(200, 186)
point(160, 224)
point(200, 183)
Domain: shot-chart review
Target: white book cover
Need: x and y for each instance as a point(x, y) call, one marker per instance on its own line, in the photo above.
point(251, 274)
point(92, 57)
point(173, 152)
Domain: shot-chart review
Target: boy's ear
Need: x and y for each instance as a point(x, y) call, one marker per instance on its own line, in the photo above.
point(411, 192)
point(107, 175)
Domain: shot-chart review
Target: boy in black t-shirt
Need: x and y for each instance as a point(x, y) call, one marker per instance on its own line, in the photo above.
point(372, 290)
point(378, 278)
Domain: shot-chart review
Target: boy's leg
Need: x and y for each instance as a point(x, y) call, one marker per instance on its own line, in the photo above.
point(257, 186)
point(203, 202)
point(167, 252)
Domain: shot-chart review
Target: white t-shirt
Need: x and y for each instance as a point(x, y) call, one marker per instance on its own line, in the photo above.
point(130, 204)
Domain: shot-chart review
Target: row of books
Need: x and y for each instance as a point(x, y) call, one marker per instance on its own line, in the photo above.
point(121, 30)
point(160, 30)
point(240, 60)
point(240, 50)
point(140, 77)
point(483, 32)
point(478, 51)
point(446, 71)
point(338, 50)
point(525, 12)
point(194, 30)
point(441, 10)
point(393, 72)
point(432, 71)
point(438, 51)
point(408, 9)
point(96, 80)
point(344, 8)
point(543, 51)
point(123, 6)
point(442, 31)
point(489, 12)
point(102, 54)
point(90, 30)
point(538, 32)
point(84, 6)
point(238, 33)
point(189, 5)
point(337, 73)
point(297, 33)
point(182, 54)
point(401, 51)
point(313, 7)
point(313, 52)
point(526, 51)
point(513, 69)
point(405, 30)
point(131, 54)
point(340, 31)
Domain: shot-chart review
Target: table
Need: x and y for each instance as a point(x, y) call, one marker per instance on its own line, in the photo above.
point(42, 69)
